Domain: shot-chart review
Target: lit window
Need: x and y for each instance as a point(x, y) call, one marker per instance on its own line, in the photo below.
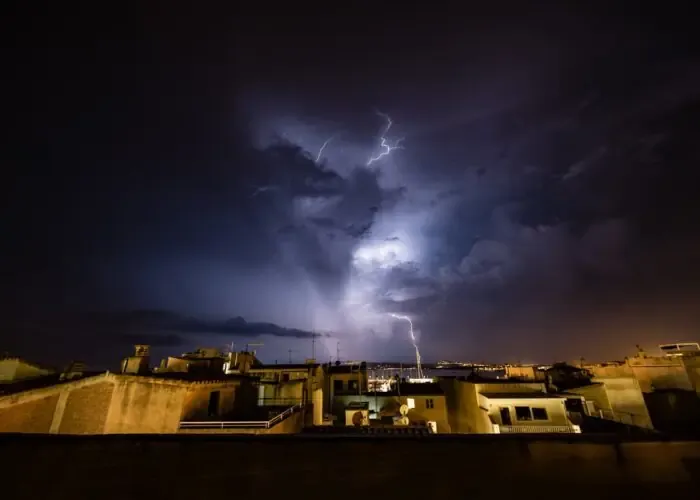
point(429, 404)
point(523, 413)
point(411, 403)
point(539, 414)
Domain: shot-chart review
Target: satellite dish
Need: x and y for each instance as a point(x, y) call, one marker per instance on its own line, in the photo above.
point(403, 421)
point(403, 410)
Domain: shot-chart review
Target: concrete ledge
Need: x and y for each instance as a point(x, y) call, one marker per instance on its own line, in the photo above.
point(199, 466)
point(690, 443)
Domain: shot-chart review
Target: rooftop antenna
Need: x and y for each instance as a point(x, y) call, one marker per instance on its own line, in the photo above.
point(290, 351)
point(231, 348)
point(313, 346)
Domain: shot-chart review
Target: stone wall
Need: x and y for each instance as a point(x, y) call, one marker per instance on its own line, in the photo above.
point(335, 467)
point(110, 403)
point(85, 410)
point(33, 416)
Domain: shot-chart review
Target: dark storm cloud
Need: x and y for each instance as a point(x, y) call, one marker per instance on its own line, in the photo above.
point(240, 327)
point(562, 245)
point(557, 161)
point(153, 327)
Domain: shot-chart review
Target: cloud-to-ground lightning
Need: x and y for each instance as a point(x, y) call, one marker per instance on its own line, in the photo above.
point(320, 151)
point(413, 341)
point(385, 145)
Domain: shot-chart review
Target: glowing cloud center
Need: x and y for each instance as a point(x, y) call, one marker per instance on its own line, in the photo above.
point(413, 340)
point(384, 254)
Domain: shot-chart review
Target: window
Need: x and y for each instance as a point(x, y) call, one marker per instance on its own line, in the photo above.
point(285, 377)
point(213, 408)
point(523, 413)
point(429, 404)
point(539, 414)
point(352, 385)
point(337, 385)
point(505, 416)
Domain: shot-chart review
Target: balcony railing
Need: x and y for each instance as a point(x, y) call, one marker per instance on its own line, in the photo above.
point(280, 401)
point(536, 429)
point(242, 424)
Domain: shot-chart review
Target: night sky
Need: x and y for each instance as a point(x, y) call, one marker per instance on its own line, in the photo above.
point(162, 183)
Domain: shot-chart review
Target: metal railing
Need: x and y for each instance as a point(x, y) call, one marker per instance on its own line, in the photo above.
point(536, 429)
point(279, 401)
point(242, 424)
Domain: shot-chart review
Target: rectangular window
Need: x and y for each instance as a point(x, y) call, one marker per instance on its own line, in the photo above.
point(523, 413)
point(429, 404)
point(539, 414)
point(285, 377)
point(352, 385)
point(337, 385)
point(505, 416)
point(213, 408)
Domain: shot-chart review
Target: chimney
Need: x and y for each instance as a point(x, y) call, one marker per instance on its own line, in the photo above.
point(138, 364)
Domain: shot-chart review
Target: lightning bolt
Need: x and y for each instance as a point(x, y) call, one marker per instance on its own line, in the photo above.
point(262, 189)
point(320, 151)
point(385, 145)
point(413, 341)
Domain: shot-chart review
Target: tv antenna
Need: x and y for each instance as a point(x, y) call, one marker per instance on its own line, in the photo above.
point(290, 351)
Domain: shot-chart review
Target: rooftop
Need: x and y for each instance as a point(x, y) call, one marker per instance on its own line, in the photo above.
point(286, 366)
point(41, 382)
point(194, 377)
point(521, 395)
point(346, 368)
point(26, 362)
point(512, 380)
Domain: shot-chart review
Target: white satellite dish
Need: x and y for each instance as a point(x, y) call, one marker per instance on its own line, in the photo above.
point(403, 410)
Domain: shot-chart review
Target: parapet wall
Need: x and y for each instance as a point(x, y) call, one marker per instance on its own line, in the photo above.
point(338, 467)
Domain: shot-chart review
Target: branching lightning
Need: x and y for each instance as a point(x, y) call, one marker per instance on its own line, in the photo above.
point(386, 146)
point(413, 341)
point(320, 151)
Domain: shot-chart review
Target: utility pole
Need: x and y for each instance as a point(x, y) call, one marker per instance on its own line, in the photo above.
point(290, 351)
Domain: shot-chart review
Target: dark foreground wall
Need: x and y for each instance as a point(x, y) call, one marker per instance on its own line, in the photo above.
point(345, 467)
